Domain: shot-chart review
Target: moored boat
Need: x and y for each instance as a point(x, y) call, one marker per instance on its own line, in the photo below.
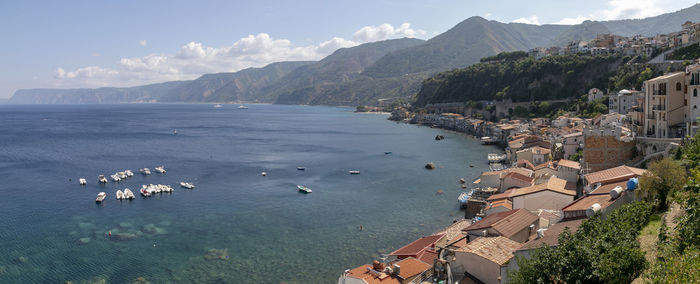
point(101, 196)
point(263, 174)
point(160, 170)
point(354, 172)
point(115, 178)
point(128, 194)
point(120, 195)
point(145, 192)
point(301, 168)
point(462, 199)
point(102, 179)
point(129, 173)
point(187, 185)
point(242, 107)
point(217, 105)
point(145, 171)
point(303, 189)
point(83, 181)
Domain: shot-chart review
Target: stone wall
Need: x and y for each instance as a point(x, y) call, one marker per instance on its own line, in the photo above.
point(604, 152)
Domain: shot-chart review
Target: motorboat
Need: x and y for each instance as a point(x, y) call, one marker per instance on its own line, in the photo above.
point(462, 199)
point(354, 172)
point(301, 168)
point(128, 194)
point(145, 171)
point(129, 173)
point(217, 105)
point(101, 196)
point(242, 107)
point(115, 178)
point(122, 175)
point(263, 174)
point(387, 153)
point(82, 181)
point(145, 192)
point(120, 195)
point(102, 179)
point(160, 170)
point(187, 185)
point(303, 189)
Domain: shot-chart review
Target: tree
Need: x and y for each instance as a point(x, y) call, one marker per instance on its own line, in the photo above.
point(663, 178)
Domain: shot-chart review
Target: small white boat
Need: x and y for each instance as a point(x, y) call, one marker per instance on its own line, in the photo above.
point(129, 173)
point(128, 194)
point(217, 105)
point(303, 189)
point(264, 174)
point(120, 195)
point(122, 175)
point(101, 196)
point(145, 171)
point(354, 172)
point(145, 192)
point(102, 179)
point(82, 181)
point(160, 170)
point(242, 107)
point(187, 185)
point(115, 178)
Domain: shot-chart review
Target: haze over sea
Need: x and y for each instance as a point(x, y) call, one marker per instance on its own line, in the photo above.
point(236, 226)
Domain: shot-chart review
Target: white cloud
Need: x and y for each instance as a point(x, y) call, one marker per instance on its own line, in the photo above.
point(386, 31)
point(195, 58)
point(532, 20)
point(572, 21)
point(631, 9)
point(143, 42)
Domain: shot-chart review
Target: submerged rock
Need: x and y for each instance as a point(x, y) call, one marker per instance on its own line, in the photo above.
point(214, 254)
point(140, 280)
point(123, 236)
point(84, 240)
point(22, 259)
point(86, 225)
point(125, 225)
point(152, 229)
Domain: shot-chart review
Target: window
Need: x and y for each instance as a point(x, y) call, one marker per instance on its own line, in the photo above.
point(695, 92)
point(678, 86)
point(695, 107)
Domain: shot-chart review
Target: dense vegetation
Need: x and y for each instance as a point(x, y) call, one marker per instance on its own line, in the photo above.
point(679, 250)
point(520, 79)
point(601, 251)
point(690, 52)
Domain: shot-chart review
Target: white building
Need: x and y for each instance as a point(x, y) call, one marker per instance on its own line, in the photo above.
point(623, 101)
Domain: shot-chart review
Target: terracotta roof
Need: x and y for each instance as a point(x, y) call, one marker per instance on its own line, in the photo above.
point(606, 188)
point(522, 171)
point(503, 202)
point(539, 150)
point(548, 164)
point(500, 196)
point(551, 235)
point(553, 184)
point(416, 247)
point(454, 231)
point(506, 223)
point(518, 176)
point(614, 174)
point(363, 272)
point(428, 256)
point(569, 164)
point(586, 202)
point(411, 267)
point(573, 134)
point(525, 164)
point(496, 249)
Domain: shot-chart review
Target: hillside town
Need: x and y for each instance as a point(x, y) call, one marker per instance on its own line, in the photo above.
point(553, 173)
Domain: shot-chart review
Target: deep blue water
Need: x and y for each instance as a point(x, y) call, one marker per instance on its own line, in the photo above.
point(236, 225)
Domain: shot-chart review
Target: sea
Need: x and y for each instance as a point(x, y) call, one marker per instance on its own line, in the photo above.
point(236, 225)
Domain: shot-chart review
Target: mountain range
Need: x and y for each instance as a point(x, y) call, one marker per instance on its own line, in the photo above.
point(365, 73)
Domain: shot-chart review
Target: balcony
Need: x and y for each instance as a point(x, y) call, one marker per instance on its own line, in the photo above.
point(658, 93)
point(658, 107)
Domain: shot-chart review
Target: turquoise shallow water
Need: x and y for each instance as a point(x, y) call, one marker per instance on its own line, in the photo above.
point(235, 226)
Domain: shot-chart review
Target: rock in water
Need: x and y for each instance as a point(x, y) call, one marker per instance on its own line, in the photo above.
point(84, 240)
point(430, 166)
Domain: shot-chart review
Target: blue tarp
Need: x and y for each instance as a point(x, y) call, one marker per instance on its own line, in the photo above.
point(632, 184)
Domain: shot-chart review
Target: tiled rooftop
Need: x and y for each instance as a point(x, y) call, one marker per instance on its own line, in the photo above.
point(553, 184)
point(417, 246)
point(506, 223)
point(613, 174)
point(496, 249)
point(411, 267)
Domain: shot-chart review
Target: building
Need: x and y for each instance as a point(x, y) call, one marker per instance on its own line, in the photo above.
point(536, 155)
point(611, 175)
point(486, 259)
point(571, 143)
point(406, 271)
point(665, 106)
point(623, 101)
point(693, 83)
point(422, 249)
point(524, 142)
point(514, 179)
point(568, 170)
point(498, 206)
point(594, 94)
point(516, 225)
point(551, 195)
point(605, 147)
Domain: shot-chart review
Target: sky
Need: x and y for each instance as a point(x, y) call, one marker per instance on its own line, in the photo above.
point(86, 44)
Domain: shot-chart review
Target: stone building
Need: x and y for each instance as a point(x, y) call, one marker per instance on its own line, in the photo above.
point(605, 147)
